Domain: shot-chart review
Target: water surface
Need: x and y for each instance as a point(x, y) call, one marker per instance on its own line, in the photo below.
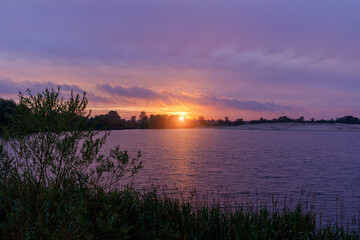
point(323, 167)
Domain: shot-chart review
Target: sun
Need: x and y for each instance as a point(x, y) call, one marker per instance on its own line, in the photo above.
point(181, 118)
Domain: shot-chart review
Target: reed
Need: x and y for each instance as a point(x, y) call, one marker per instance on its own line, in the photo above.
point(79, 213)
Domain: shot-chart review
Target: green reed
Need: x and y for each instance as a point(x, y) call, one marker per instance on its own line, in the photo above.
point(79, 213)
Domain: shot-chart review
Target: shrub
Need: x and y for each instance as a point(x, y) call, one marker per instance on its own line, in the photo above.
point(48, 153)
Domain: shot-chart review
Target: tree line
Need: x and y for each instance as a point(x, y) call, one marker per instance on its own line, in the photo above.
point(112, 120)
point(285, 119)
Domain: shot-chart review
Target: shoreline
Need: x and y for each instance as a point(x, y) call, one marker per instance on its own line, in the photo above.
point(313, 127)
point(307, 127)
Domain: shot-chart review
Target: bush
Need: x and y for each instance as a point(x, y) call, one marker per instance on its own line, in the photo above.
point(48, 153)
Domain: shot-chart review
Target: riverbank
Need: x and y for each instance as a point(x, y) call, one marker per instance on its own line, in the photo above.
point(315, 127)
point(318, 127)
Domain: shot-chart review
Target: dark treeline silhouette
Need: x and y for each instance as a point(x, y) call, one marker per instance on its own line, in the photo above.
point(112, 120)
point(285, 119)
point(7, 108)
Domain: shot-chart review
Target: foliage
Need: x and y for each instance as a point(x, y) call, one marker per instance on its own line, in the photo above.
point(111, 120)
point(128, 214)
point(348, 120)
point(285, 119)
point(6, 109)
point(144, 120)
point(48, 152)
point(48, 143)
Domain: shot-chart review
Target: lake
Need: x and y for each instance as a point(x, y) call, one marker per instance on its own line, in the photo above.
point(253, 167)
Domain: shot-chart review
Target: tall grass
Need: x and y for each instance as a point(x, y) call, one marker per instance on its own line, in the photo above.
point(79, 213)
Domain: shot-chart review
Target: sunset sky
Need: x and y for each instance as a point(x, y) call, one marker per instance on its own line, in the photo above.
point(241, 59)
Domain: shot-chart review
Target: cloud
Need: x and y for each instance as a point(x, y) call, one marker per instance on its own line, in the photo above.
point(133, 92)
point(176, 33)
point(8, 86)
point(134, 95)
point(201, 99)
point(251, 105)
point(11, 87)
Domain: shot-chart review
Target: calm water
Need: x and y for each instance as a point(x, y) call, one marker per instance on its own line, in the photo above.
point(322, 167)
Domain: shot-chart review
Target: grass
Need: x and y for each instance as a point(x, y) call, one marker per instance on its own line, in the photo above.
point(78, 213)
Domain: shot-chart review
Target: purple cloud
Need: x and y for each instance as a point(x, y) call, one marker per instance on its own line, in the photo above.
point(132, 92)
point(197, 99)
point(10, 87)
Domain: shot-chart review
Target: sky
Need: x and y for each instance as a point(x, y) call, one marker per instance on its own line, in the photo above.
point(212, 58)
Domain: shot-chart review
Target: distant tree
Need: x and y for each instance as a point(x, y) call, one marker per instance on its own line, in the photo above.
point(158, 121)
point(142, 115)
point(220, 122)
point(284, 119)
point(133, 119)
point(201, 121)
point(239, 121)
point(111, 120)
point(301, 119)
point(114, 115)
point(348, 120)
point(227, 120)
point(7, 108)
point(144, 120)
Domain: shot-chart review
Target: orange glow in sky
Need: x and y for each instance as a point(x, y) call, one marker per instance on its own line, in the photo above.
point(231, 64)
